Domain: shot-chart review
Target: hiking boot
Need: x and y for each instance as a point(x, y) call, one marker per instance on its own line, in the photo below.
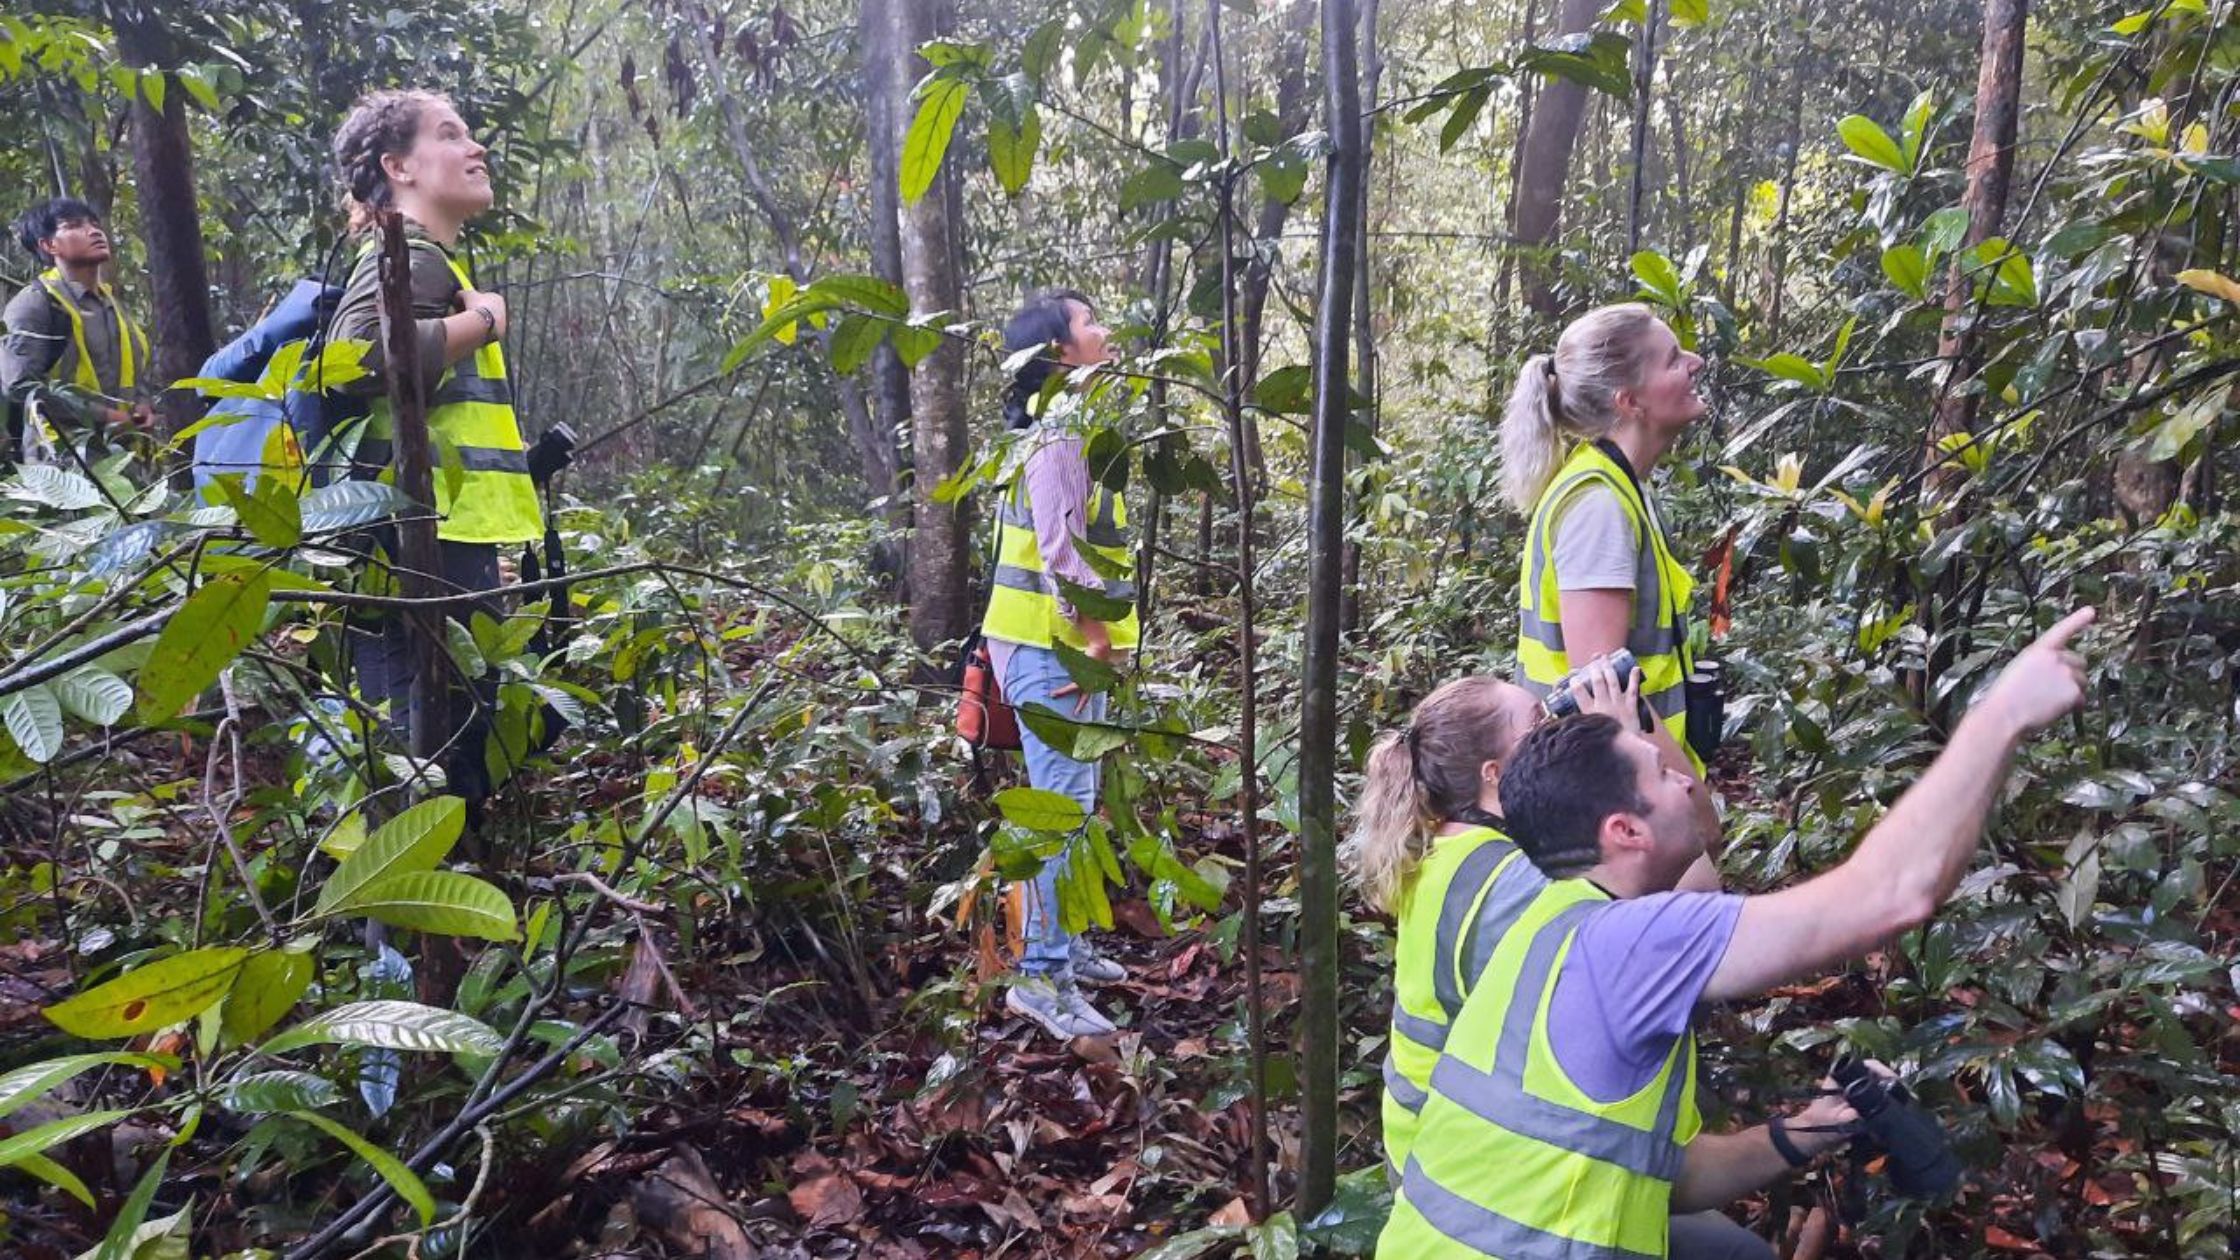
point(1092, 967)
point(1058, 1006)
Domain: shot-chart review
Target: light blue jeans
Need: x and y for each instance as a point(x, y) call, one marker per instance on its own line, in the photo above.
point(1029, 677)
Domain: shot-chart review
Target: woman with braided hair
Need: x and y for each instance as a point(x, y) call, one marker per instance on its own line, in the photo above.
point(410, 152)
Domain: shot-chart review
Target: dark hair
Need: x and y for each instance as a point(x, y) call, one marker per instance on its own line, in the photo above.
point(1041, 320)
point(1563, 781)
point(380, 123)
point(42, 221)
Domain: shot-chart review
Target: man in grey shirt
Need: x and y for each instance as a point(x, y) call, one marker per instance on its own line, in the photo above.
point(67, 328)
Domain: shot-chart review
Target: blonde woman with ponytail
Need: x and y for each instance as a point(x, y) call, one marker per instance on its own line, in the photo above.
point(1427, 848)
point(1584, 431)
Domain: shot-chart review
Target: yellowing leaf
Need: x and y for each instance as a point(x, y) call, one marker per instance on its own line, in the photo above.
point(151, 997)
point(2203, 280)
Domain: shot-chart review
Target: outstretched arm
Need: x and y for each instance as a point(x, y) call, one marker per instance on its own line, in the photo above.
point(1911, 860)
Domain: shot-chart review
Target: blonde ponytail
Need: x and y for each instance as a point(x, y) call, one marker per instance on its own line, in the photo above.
point(1570, 394)
point(1415, 780)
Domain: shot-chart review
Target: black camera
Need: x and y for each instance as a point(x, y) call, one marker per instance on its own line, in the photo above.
point(553, 452)
point(1921, 1163)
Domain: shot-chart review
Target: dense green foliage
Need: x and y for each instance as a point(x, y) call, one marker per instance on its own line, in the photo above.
point(748, 883)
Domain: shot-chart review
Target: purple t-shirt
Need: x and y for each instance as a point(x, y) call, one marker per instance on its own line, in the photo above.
point(1631, 981)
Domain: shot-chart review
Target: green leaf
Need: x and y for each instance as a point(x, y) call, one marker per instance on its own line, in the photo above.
point(268, 988)
point(1041, 50)
point(28, 1084)
point(124, 1239)
point(927, 141)
point(34, 720)
point(55, 1175)
point(94, 694)
point(414, 840)
point(198, 86)
point(200, 640)
point(1011, 149)
point(913, 342)
point(55, 1132)
point(1686, 13)
point(1916, 128)
point(1076, 738)
point(408, 1186)
point(1092, 602)
point(1866, 138)
point(1039, 809)
point(1160, 181)
point(154, 996)
point(55, 487)
point(1289, 390)
point(268, 1092)
point(1942, 232)
point(1790, 367)
point(272, 514)
point(217, 387)
point(1657, 276)
point(349, 504)
point(395, 1025)
point(1908, 269)
point(1466, 109)
point(1600, 60)
point(444, 902)
point(2013, 282)
point(1087, 672)
point(854, 340)
point(151, 86)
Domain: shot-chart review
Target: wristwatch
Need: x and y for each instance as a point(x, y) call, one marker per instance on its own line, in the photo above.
point(489, 323)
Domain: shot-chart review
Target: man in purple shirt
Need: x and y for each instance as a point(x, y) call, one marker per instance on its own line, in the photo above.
point(1588, 798)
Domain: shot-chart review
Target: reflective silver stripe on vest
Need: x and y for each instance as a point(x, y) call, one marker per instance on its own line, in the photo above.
point(1489, 861)
point(1519, 883)
point(1492, 1233)
point(1648, 587)
point(1402, 1090)
point(1104, 529)
point(1424, 1032)
point(1500, 1098)
point(493, 459)
point(473, 389)
point(1024, 579)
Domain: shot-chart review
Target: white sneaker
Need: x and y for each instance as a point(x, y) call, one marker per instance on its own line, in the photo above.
point(1058, 1006)
point(1091, 967)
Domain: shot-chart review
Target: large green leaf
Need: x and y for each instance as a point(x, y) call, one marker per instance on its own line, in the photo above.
point(155, 996)
point(94, 694)
point(1039, 809)
point(34, 720)
point(1011, 149)
point(400, 1178)
point(443, 902)
point(124, 1239)
point(349, 504)
point(27, 1084)
point(1908, 268)
point(414, 840)
point(269, 986)
point(272, 514)
point(54, 1133)
point(1866, 138)
point(201, 639)
point(394, 1025)
point(940, 101)
point(267, 1092)
point(55, 1175)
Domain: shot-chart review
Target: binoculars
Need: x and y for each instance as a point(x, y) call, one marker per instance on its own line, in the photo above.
point(553, 452)
point(1921, 1163)
point(1561, 703)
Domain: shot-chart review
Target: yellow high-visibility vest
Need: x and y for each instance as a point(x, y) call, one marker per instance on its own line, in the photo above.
point(132, 344)
point(1662, 593)
point(471, 413)
point(1460, 901)
point(1512, 1158)
point(1020, 609)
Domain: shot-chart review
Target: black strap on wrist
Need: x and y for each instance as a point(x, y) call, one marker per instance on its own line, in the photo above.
point(1778, 1130)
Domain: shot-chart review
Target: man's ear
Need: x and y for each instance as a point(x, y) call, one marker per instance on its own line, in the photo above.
point(1624, 832)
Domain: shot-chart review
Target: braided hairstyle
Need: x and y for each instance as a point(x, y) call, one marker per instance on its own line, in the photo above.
point(381, 123)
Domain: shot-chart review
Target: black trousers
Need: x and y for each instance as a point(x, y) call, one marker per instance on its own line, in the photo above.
point(1710, 1236)
point(381, 654)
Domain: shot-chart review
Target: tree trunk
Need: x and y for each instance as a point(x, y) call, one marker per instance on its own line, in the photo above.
point(884, 125)
point(1990, 167)
point(1546, 168)
point(1319, 1042)
point(1267, 229)
point(1778, 273)
point(1644, 78)
point(939, 548)
point(1364, 315)
point(170, 224)
point(1498, 316)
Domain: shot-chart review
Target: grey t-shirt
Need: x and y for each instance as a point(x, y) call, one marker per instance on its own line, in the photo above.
point(1595, 545)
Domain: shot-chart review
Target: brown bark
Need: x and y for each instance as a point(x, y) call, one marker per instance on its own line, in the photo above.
point(939, 550)
point(1644, 77)
point(1364, 315)
point(1990, 168)
point(1546, 169)
point(1267, 229)
point(170, 225)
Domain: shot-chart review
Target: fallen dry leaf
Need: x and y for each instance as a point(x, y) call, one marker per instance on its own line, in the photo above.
point(832, 1199)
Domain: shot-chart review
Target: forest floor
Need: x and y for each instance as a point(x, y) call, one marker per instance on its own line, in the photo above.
point(910, 1117)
